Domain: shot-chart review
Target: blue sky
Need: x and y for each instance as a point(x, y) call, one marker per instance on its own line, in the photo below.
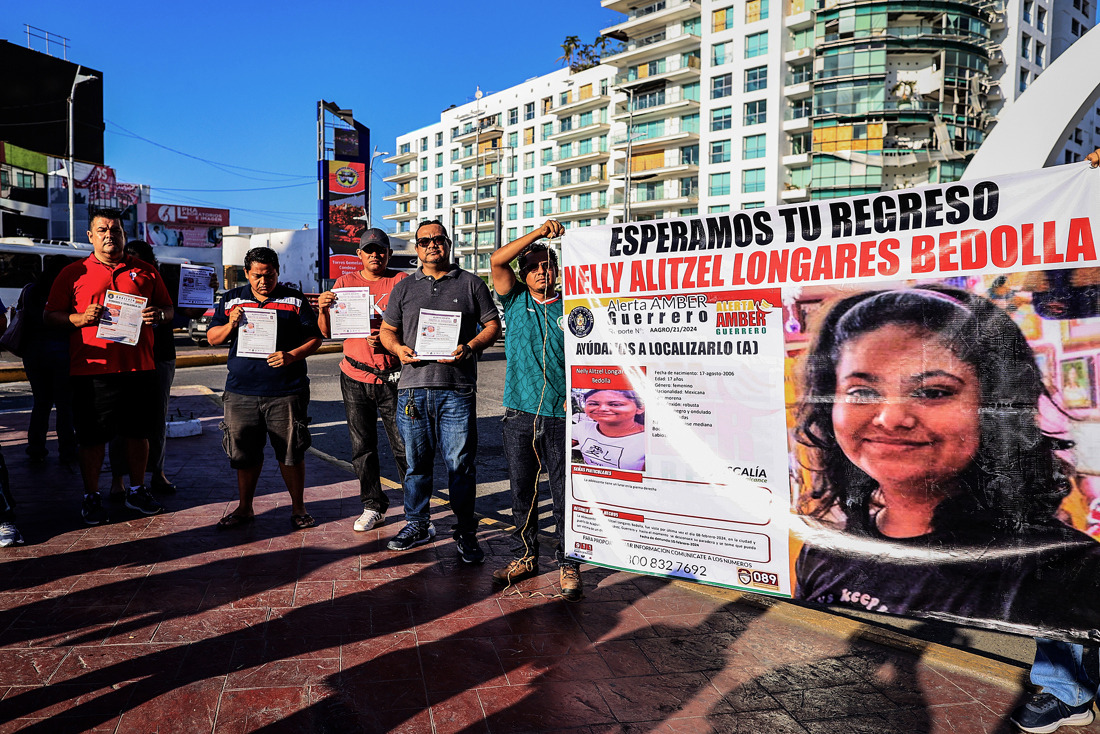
point(238, 82)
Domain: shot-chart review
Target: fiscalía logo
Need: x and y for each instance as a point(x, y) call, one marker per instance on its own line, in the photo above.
point(583, 546)
point(581, 321)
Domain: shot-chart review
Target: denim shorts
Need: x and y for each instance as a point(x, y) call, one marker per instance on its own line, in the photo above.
point(120, 404)
point(250, 420)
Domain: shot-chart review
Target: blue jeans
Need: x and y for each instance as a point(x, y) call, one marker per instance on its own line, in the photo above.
point(447, 419)
point(1060, 668)
point(532, 442)
point(365, 403)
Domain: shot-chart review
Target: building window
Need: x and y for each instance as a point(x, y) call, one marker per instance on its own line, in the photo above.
point(439, 201)
point(720, 151)
point(722, 118)
point(438, 160)
point(801, 143)
point(1028, 4)
point(546, 207)
point(802, 108)
point(513, 116)
point(404, 148)
point(1040, 53)
point(756, 112)
point(756, 78)
point(689, 155)
point(689, 186)
point(756, 10)
point(753, 146)
point(719, 184)
point(1025, 46)
point(722, 20)
point(721, 86)
point(752, 205)
point(752, 180)
point(513, 212)
point(691, 91)
point(424, 184)
point(513, 140)
point(547, 155)
point(689, 123)
point(439, 180)
point(1023, 79)
point(439, 140)
point(528, 160)
point(424, 163)
point(584, 201)
point(547, 130)
point(529, 111)
point(547, 181)
point(547, 105)
point(528, 209)
point(756, 44)
point(565, 203)
point(529, 185)
point(423, 143)
point(424, 204)
point(565, 177)
point(513, 188)
point(1041, 19)
point(720, 53)
point(529, 136)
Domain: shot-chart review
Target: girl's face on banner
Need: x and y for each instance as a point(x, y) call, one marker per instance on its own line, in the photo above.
point(906, 408)
point(610, 407)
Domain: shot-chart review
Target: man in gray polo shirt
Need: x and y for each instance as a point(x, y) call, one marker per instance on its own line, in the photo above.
point(436, 396)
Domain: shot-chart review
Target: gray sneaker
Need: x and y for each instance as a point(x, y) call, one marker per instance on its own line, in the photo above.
point(91, 509)
point(139, 499)
point(413, 534)
point(9, 535)
point(369, 519)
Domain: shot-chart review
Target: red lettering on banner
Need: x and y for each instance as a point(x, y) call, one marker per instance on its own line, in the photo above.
point(887, 253)
point(1028, 256)
point(1050, 251)
point(924, 258)
point(948, 249)
point(1081, 247)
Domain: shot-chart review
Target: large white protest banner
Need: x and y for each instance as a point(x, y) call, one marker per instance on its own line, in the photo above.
point(867, 402)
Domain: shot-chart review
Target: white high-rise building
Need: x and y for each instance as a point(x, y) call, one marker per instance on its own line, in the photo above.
point(713, 106)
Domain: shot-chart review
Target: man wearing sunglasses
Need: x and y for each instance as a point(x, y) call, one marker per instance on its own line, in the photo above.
point(368, 377)
point(436, 397)
point(534, 400)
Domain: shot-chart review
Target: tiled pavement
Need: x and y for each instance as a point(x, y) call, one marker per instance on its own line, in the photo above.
point(166, 624)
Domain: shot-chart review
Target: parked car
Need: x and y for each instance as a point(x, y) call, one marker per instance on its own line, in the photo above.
point(196, 328)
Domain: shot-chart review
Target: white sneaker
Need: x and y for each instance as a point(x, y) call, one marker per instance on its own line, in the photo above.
point(369, 519)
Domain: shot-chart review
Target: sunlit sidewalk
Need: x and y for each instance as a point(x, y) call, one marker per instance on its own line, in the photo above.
point(168, 624)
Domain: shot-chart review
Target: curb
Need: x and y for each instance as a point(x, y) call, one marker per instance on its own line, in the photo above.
point(203, 359)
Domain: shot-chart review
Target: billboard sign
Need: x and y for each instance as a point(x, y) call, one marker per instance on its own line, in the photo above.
point(344, 191)
point(176, 225)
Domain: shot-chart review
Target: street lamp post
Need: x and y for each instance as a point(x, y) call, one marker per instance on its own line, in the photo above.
point(370, 183)
point(78, 79)
point(629, 139)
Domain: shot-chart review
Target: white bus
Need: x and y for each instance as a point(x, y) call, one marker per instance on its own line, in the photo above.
point(22, 260)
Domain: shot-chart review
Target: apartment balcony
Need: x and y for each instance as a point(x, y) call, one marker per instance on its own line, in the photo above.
point(797, 120)
point(792, 193)
point(646, 201)
point(404, 236)
point(575, 184)
point(595, 155)
point(798, 54)
point(577, 103)
point(489, 154)
point(671, 169)
point(467, 201)
point(406, 157)
point(591, 213)
point(673, 68)
point(403, 173)
point(657, 45)
point(796, 160)
point(799, 21)
point(573, 133)
point(476, 133)
point(798, 85)
point(408, 195)
point(407, 215)
point(486, 226)
point(667, 102)
point(672, 131)
point(619, 6)
point(473, 178)
point(651, 16)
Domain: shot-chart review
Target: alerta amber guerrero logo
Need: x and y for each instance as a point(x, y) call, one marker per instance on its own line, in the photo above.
point(347, 177)
point(744, 316)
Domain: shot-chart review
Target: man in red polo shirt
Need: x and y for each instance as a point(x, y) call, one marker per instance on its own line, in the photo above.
point(114, 384)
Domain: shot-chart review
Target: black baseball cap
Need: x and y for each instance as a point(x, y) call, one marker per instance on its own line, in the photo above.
point(374, 236)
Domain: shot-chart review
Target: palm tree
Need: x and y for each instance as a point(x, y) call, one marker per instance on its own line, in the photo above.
point(569, 47)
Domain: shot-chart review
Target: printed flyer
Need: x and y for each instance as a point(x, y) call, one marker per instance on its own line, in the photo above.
point(886, 403)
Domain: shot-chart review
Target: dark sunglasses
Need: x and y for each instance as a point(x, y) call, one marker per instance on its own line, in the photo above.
point(439, 240)
point(375, 249)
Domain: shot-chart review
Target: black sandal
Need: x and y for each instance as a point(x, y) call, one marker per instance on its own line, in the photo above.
point(234, 521)
point(301, 522)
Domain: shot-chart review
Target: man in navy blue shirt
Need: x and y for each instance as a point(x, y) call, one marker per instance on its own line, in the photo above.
point(267, 397)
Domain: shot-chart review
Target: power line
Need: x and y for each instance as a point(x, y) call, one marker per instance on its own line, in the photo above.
point(220, 191)
point(224, 167)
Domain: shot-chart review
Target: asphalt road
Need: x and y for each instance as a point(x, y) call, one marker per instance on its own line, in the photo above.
point(329, 429)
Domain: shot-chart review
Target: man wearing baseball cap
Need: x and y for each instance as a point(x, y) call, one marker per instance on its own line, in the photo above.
point(368, 377)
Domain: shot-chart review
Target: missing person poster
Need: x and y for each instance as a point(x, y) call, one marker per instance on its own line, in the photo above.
point(887, 403)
